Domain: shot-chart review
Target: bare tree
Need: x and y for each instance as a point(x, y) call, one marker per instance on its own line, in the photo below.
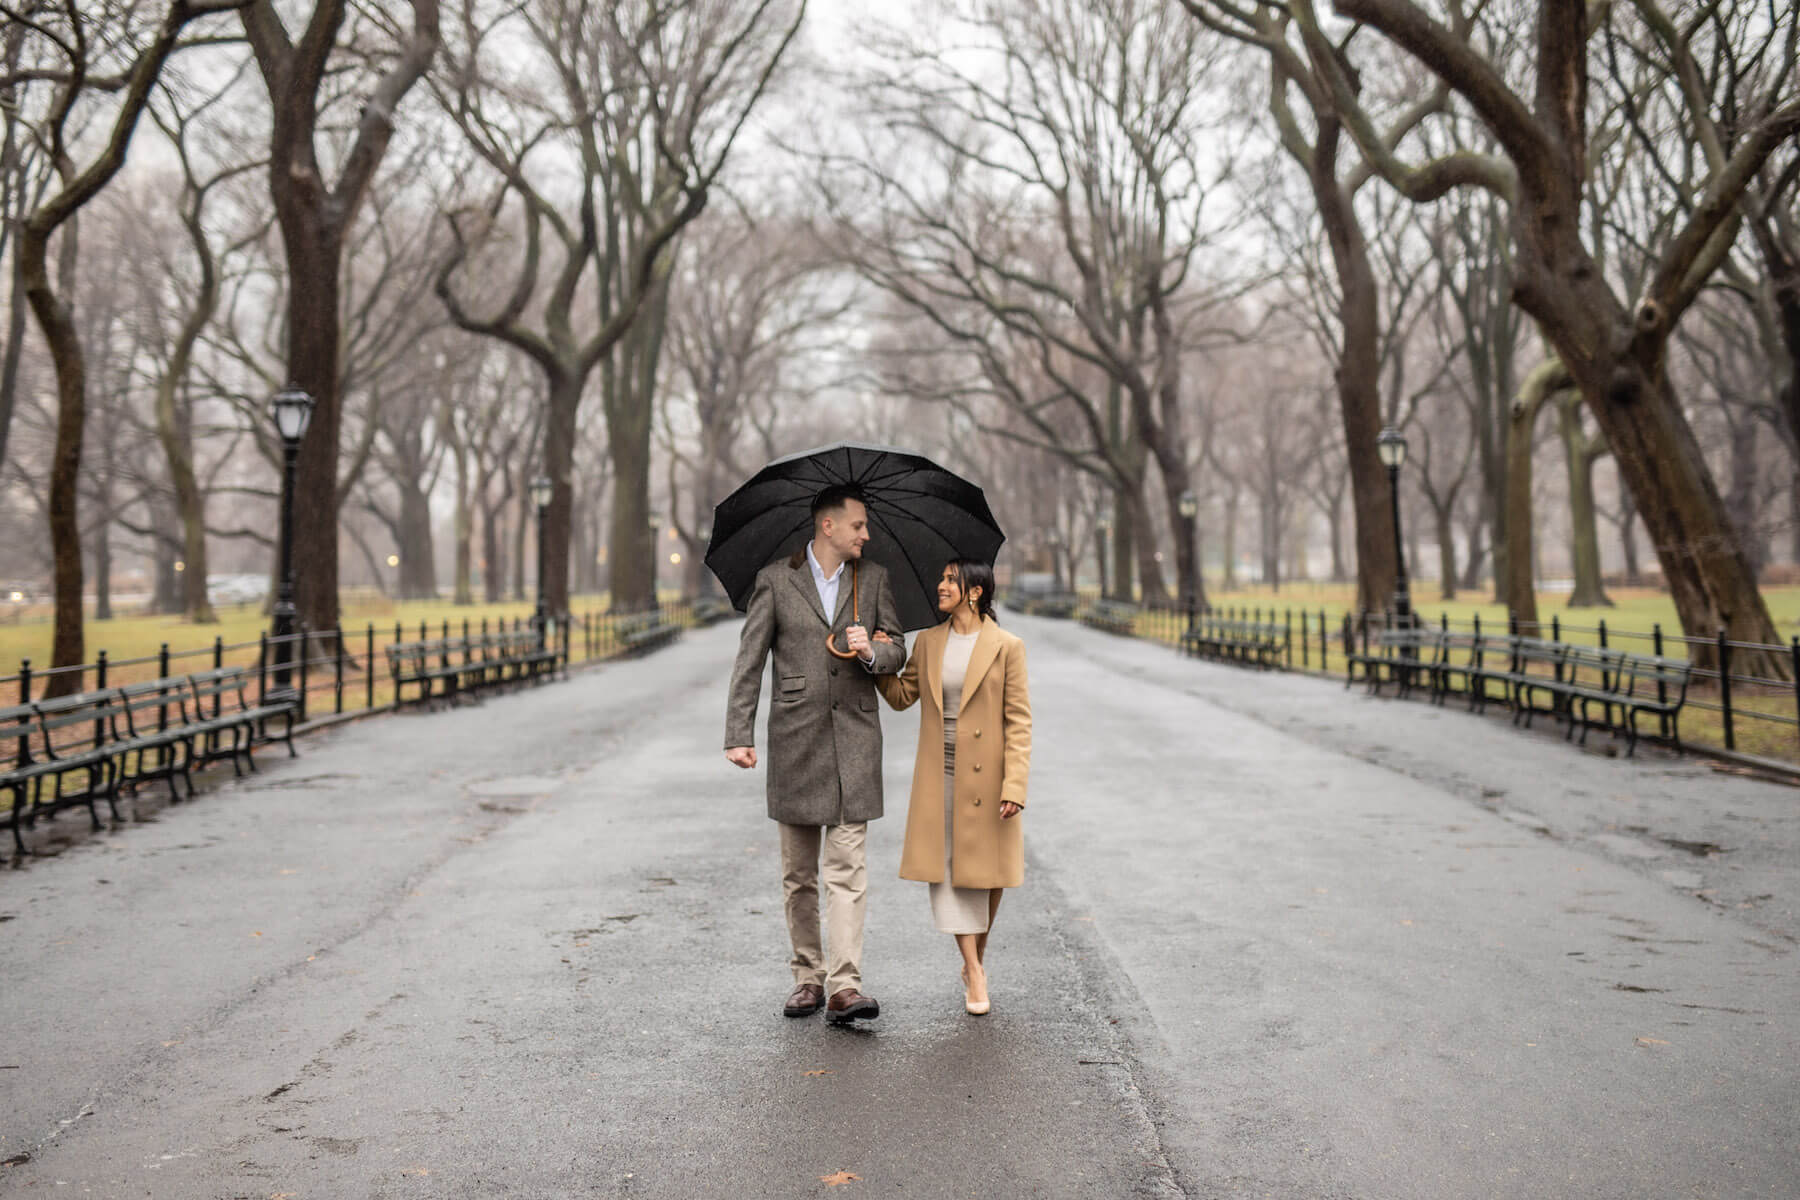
point(642, 109)
point(1615, 349)
point(306, 89)
point(72, 73)
point(1068, 225)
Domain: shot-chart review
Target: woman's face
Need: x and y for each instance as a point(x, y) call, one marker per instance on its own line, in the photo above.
point(950, 592)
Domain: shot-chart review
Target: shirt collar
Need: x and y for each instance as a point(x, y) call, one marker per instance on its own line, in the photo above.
point(818, 571)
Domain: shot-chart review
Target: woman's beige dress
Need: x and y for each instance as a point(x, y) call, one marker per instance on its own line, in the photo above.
point(954, 909)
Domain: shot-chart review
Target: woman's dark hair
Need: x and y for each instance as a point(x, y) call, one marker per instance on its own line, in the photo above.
point(973, 573)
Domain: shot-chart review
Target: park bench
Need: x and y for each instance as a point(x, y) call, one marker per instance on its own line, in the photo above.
point(449, 668)
point(1232, 639)
point(1455, 659)
point(59, 739)
point(1112, 616)
point(709, 610)
point(153, 735)
point(1400, 655)
point(642, 632)
point(1061, 605)
point(124, 737)
point(1591, 687)
point(222, 705)
point(1628, 685)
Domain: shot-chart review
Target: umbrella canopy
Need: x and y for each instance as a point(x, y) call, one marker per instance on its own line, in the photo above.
point(920, 517)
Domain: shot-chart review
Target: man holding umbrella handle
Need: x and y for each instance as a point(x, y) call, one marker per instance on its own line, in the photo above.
point(824, 752)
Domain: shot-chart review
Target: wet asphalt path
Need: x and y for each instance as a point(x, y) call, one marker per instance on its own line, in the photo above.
point(1276, 939)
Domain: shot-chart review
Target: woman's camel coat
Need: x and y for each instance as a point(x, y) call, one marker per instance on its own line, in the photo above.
point(993, 758)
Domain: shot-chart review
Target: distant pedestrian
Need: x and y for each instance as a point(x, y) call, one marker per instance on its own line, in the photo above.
point(963, 833)
point(824, 782)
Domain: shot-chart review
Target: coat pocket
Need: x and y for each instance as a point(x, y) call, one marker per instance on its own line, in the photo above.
point(793, 687)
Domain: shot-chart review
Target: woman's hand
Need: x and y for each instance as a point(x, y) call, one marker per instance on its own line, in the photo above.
point(1009, 810)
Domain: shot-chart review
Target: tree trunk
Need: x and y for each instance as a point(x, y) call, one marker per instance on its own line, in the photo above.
point(167, 585)
point(1634, 573)
point(1584, 535)
point(418, 557)
point(1269, 538)
point(464, 532)
point(103, 559)
point(1334, 525)
point(493, 562)
point(68, 645)
point(313, 367)
point(1740, 497)
point(1358, 377)
point(1444, 517)
point(1517, 587)
point(1228, 579)
point(1471, 577)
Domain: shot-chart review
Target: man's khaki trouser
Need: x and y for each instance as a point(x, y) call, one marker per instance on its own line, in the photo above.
point(846, 885)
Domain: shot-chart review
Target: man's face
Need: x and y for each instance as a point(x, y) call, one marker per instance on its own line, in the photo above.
point(847, 529)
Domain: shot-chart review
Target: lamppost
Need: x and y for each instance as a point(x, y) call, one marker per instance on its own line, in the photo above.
point(541, 491)
point(292, 409)
point(1056, 575)
point(1391, 446)
point(1189, 507)
point(655, 549)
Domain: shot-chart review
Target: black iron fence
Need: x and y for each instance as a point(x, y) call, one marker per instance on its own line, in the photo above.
point(335, 672)
point(1744, 696)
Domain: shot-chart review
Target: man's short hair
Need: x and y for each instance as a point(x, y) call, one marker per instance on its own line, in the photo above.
point(832, 500)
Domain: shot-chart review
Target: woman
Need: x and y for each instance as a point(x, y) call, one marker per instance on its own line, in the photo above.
point(964, 838)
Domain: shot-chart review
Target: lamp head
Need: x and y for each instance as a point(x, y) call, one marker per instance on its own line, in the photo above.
point(1391, 446)
point(1189, 504)
point(293, 412)
point(541, 491)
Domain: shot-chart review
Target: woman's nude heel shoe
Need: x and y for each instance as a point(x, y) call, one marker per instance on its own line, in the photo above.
point(977, 1008)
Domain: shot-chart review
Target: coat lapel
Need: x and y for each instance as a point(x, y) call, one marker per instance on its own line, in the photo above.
point(803, 580)
point(987, 648)
point(931, 644)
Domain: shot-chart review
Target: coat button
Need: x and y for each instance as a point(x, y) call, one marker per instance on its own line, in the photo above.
point(978, 768)
point(978, 733)
point(834, 706)
point(977, 802)
point(834, 670)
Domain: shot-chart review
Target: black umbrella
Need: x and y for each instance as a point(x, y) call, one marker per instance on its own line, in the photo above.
point(920, 517)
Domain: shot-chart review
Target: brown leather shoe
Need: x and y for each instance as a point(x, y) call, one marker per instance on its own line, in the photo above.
point(804, 1001)
point(850, 1005)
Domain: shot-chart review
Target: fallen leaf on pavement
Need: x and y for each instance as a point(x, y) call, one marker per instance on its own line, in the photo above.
point(1650, 1041)
point(840, 1177)
point(816, 1073)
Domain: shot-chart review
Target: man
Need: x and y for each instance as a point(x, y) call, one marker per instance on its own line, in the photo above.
point(824, 783)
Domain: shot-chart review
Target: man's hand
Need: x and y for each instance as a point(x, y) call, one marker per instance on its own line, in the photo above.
point(1009, 810)
point(857, 639)
point(741, 756)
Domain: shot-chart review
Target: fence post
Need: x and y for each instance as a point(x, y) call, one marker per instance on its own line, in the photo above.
point(24, 755)
point(1724, 648)
point(339, 630)
point(100, 686)
point(1656, 642)
point(162, 672)
point(1288, 618)
point(218, 651)
point(1795, 649)
point(304, 656)
point(1603, 633)
point(369, 671)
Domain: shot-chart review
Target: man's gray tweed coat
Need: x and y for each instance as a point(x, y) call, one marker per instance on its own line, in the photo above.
point(824, 752)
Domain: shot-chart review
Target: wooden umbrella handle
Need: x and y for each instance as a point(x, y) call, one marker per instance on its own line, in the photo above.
point(855, 615)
